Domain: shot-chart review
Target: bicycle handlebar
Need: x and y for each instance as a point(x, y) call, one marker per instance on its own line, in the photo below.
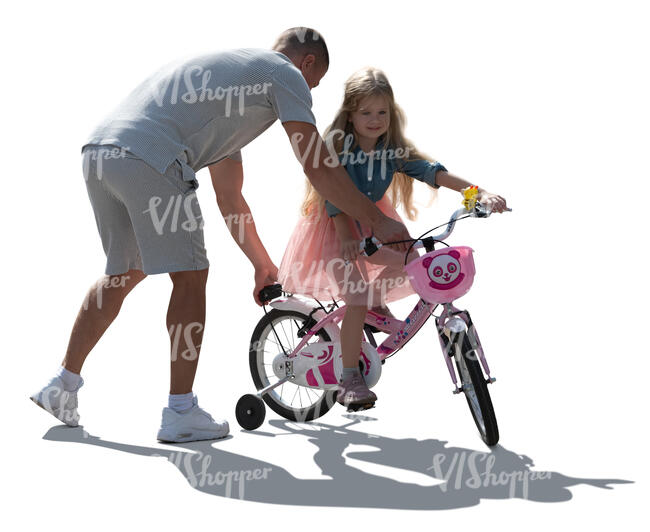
point(370, 245)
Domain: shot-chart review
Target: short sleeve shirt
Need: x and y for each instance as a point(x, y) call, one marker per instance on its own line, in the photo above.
point(206, 108)
point(373, 173)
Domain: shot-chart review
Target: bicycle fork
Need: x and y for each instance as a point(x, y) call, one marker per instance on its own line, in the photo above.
point(451, 326)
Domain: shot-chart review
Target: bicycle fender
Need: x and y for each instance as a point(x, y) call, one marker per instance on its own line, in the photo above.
point(300, 305)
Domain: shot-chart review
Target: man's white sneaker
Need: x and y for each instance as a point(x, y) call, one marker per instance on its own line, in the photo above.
point(62, 404)
point(195, 424)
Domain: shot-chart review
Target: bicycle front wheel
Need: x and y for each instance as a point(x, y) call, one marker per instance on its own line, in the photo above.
point(476, 390)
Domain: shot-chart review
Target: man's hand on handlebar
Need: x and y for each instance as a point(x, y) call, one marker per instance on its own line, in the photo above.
point(264, 276)
point(389, 230)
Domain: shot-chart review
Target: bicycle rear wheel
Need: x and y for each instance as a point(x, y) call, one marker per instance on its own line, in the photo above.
point(290, 400)
point(475, 388)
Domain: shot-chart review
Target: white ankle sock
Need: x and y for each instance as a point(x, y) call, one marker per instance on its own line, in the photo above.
point(181, 402)
point(350, 372)
point(71, 381)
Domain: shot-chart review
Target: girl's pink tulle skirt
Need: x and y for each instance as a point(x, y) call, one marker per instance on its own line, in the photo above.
point(312, 264)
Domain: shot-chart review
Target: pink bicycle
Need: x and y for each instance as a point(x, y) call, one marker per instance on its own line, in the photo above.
point(295, 356)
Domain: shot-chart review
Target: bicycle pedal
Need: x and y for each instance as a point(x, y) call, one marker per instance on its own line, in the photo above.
point(360, 406)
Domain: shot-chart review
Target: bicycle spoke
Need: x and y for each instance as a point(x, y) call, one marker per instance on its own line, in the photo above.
point(294, 395)
point(272, 340)
point(287, 338)
point(286, 328)
point(313, 392)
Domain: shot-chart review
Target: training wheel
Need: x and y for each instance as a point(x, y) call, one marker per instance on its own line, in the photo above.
point(250, 411)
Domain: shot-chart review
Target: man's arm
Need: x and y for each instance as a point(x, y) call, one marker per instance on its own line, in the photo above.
point(327, 175)
point(332, 182)
point(227, 180)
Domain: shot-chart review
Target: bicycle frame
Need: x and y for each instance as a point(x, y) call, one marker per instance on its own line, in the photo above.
point(400, 332)
point(448, 313)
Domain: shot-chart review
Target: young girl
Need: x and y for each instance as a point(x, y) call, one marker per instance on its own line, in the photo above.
point(322, 258)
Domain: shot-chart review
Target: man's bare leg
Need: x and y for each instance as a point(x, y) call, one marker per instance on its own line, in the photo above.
point(185, 323)
point(184, 420)
point(100, 308)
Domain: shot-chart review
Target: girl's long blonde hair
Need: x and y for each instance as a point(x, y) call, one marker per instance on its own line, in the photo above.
point(366, 82)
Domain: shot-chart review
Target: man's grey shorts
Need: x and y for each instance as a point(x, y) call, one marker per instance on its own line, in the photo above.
point(147, 221)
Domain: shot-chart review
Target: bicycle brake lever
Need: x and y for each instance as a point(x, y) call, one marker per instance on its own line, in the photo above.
point(367, 247)
point(483, 212)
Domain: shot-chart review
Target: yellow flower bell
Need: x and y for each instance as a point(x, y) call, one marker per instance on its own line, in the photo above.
point(470, 196)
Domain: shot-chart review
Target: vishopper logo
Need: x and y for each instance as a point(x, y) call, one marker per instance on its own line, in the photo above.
point(197, 469)
point(342, 273)
point(257, 345)
point(172, 213)
point(96, 294)
point(468, 474)
point(347, 156)
point(55, 401)
point(458, 339)
point(238, 221)
point(192, 85)
point(301, 33)
point(350, 157)
point(101, 154)
point(189, 334)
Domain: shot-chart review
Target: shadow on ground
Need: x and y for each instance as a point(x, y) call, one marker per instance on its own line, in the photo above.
point(445, 477)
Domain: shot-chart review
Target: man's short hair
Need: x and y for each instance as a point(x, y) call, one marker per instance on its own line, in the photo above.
point(302, 40)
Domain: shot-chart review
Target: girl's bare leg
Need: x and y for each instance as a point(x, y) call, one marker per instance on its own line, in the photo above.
point(353, 289)
point(392, 274)
point(351, 334)
point(359, 295)
point(353, 389)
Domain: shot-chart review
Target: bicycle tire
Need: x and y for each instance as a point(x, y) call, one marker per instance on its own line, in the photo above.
point(315, 410)
point(476, 391)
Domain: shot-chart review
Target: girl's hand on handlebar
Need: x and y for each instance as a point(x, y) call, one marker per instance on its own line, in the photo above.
point(492, 202)
point(349, 248)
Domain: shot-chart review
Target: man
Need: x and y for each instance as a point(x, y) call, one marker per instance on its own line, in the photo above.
point(140, 164)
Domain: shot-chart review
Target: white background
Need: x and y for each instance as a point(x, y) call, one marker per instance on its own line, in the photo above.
point(545, 103)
